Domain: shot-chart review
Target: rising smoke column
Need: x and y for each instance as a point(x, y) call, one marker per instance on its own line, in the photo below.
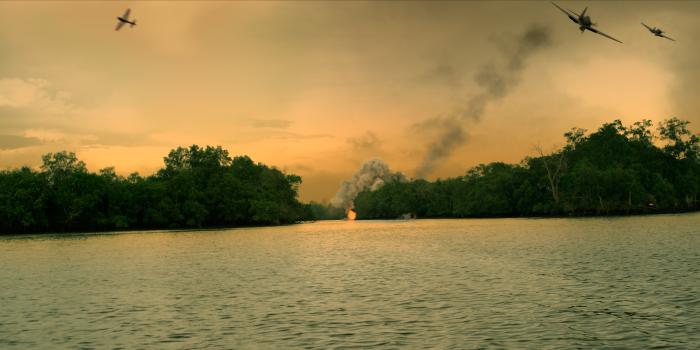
point(494, 83)
point(371, 176)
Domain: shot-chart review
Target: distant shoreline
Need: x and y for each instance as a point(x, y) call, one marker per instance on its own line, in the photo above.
point(224, 228)
point(571, 216)
point(146, 230)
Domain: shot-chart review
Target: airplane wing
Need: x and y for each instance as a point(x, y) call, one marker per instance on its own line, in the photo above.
point(569, 13)
point(647, 26)
point(663, 36)
point(120, 24)
point(125, 16)
point(603, 34)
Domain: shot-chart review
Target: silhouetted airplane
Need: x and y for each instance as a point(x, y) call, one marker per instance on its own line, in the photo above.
point(657, 31)
point(125, 19)
point(584, 22)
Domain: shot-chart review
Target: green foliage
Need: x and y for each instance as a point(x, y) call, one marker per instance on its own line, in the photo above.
point(614, 170)
point(61, 164)
point(681, 143)
point(198, 187)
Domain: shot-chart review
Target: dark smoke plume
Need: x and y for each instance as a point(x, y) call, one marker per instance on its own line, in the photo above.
point(494, 83)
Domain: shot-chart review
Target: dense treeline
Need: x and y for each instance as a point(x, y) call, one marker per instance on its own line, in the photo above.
point(615, 170)
point(198, 187)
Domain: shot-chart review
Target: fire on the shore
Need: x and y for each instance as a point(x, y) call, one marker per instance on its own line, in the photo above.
point(351, 214)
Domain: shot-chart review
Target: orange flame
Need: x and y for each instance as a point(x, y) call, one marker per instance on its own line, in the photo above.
point(351, 214)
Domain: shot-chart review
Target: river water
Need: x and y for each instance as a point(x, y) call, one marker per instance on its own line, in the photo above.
point(599, 283)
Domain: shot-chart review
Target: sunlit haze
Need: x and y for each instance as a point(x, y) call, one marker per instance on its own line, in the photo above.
point(316, 88)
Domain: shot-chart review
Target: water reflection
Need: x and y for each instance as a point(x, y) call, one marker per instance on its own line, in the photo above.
point(547, 283)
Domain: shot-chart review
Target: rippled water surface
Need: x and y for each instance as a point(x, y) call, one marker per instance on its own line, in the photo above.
point(502, 283)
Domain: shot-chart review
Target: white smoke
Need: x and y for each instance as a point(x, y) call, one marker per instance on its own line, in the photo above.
point(372, 175)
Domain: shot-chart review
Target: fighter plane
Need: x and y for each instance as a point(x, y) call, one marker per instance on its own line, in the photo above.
point(125, 19)
point(657, 31)
point(584, 22)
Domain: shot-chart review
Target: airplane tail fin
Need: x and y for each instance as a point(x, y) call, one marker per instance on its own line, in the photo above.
point(584, 11)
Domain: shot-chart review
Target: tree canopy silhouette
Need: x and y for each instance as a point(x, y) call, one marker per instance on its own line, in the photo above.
point(614, 170)
point(197, 187)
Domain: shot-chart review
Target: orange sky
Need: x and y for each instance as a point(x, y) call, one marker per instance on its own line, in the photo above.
point(316, 88)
